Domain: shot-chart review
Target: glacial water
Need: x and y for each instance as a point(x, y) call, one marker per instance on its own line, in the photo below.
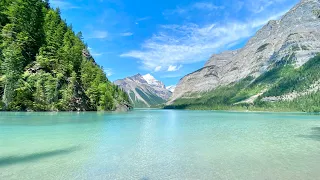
point(159, 144)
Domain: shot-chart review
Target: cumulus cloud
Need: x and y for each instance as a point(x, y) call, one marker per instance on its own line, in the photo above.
point(172, 68)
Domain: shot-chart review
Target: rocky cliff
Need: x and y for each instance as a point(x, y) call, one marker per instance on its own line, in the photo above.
point(295, 38)
point(144, 91)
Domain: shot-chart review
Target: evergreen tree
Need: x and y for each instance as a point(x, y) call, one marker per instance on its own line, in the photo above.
point(45, 66)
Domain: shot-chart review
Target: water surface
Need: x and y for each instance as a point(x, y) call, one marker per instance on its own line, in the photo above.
point(159, 144)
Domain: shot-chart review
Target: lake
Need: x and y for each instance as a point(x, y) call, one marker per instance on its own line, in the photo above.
point(159, 144)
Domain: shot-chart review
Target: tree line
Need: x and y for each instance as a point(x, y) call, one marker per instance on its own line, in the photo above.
point(46, 66)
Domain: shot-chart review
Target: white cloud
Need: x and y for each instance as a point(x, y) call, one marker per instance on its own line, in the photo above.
point(178, 10)
point(202, 6)
point(97, 34)
point(143, 18)
point(172, 68)
point(189, 43)
point(94, 53)
point(62, 4)
point(108, 71)
point(258, 6)
point(206, 6)
point(126, 34)
point(158, 68)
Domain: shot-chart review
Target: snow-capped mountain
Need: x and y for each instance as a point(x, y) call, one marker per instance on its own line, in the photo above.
point(144, 91)
point(171, 88)
point(152, 81)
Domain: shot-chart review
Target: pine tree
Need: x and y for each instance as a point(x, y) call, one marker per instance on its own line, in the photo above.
point(45, 66)
point(12, 64)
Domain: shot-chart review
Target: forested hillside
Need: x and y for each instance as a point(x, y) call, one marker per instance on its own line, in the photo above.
point(45, 66)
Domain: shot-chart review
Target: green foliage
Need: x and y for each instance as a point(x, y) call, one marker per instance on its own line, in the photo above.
point(136, 102)
point(217, 99)
point(43, 67)
point(297, 79)
point(307, 103)
point(150, 98)
point(317, 12)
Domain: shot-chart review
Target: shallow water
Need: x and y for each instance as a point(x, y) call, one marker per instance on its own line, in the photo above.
point(159, 144)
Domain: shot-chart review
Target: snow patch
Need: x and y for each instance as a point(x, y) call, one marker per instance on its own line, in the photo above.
point(153, 81)
point(171, 88)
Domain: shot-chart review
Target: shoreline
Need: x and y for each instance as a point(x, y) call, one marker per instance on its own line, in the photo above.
point(238, 110)
point(246, 110)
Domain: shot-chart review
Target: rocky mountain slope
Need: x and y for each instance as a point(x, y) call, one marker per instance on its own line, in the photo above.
point(278, 69)
point(144, 91)
point(294, 39)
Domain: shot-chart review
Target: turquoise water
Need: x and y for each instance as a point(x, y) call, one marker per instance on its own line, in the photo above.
point(159, 144)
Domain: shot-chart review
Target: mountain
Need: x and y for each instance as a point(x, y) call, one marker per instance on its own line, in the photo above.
point(45, 66)
point(144, 91)
point(153, 82)
point(171, 88)
point(264, 70)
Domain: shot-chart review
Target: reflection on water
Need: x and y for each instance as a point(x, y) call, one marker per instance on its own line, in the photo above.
point(159, 144)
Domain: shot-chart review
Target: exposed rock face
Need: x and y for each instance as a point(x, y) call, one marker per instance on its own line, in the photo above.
point(144, 91)
point(123, 107)
point(295, 37)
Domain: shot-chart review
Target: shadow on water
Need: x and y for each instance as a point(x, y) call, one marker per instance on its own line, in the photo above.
point(315, 134)
point(10, 160)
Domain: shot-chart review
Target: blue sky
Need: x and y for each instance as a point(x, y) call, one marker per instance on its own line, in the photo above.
point(166, 38)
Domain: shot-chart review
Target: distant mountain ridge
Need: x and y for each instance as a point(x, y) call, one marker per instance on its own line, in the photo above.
point(144, 90)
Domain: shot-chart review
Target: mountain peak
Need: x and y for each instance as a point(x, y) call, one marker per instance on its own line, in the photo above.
point(144, 91)
point(137, 75)
point(138, 78)
point(153, 81)
point(149, 78)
